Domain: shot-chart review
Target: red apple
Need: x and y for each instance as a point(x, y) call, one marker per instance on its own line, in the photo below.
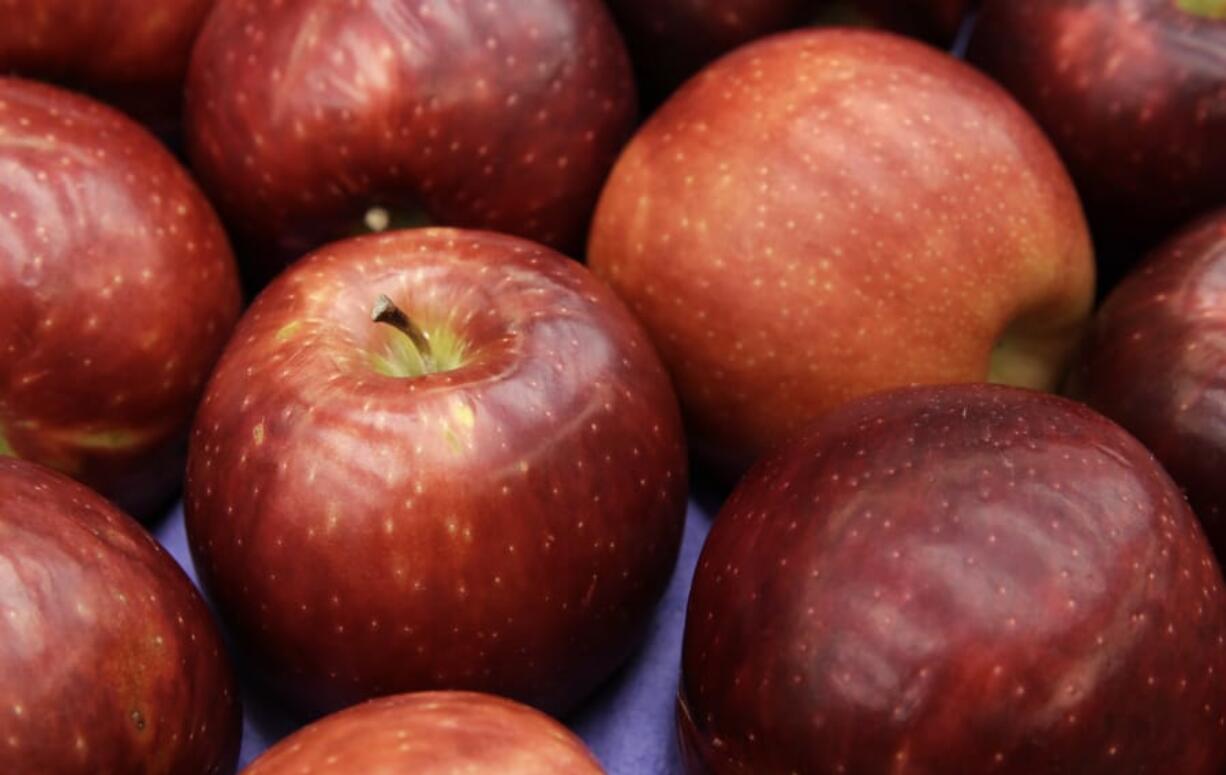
point(109, 659)
point(500, 515)
point(827, 213)
point(312, 120)
point(119, 291)
point(968, 578)
point(132, 53)
point(1132, 92)
point(1155, 362)
point(431, 733)
point(670, 40)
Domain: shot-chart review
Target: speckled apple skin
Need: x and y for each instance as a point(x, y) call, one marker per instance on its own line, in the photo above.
point(132, 53)
point(119, 292)
point(967, 578)
point(670, 40)
point(506, 526)
point(1155, 362)
point(823, 214)
point(109, 660)
point(1133, 94)
point(497, 114)
point(431, 733)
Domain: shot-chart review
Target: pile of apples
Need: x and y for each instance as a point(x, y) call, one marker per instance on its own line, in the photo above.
point(435, 461)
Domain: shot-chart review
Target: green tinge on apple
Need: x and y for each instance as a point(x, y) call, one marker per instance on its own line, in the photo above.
point(1210, 9)
point(6, 449)
point(1030, 360)
point(401, 359)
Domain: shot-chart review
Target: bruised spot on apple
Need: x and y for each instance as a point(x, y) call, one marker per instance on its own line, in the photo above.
point(437, 459)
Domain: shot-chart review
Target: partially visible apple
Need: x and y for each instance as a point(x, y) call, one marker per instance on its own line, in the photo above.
point(119, 291)
point(431, 733)
point(482, 488)
point(313, 120)
point(968, 578)
point(1155, 362)
point(1133, 94)
point(109, 659)
point(827, 213)
point(671, 40)
point(132, 53)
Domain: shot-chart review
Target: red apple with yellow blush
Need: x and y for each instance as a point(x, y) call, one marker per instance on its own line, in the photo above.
point(437, 459)
point(313, 120)
point(119, 291)
point(828, 213)
point(431, 733)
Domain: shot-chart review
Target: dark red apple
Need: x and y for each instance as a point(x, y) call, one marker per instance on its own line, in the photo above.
point(132, 53)
point(119, 291)
point(1132, 92)
point(311, 120)
point(827, 213)
point(109, 659)
point(499, 515)
point(1155, 362)
point(431, 733)
point(968, 578)
point(671, 40)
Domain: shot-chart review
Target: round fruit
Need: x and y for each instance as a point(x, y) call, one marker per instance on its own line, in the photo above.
point(119, 292)
point(483, 488)
point(109, 659)
point(965, 578)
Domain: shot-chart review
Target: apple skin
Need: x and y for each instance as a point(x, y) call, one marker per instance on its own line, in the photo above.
point(431, 733)
point(110, 659)
point(130, 53)
point(119, 292)
point(303, 115)
point(967, 578)
point(1132, 93)
point(670, 40)
point(827, 213)
point(1155, 362)
point(506, 526)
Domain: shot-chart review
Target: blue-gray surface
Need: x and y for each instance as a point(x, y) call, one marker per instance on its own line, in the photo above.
point(628, 724)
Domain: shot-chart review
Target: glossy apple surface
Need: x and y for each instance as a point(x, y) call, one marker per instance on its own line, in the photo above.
point(313, 120)
point(671, 40)
point(131, 53)
point(1132, 92)
point(824, 214)
point(504, 522)
point(1155, 362)
point(119, 291)
point(109, 659)
point(969, 578)
point(431, 733)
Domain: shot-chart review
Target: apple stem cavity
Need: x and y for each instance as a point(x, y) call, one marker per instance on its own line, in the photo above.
point(1210, 9)
point(386, 311)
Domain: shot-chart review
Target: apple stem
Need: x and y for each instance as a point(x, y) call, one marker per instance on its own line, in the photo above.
point(386, 311)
